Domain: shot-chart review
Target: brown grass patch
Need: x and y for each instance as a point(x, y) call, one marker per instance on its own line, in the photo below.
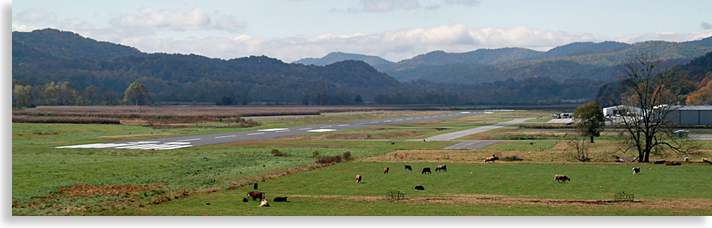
point(458, 156)
point(479, 199)
point(112, 190)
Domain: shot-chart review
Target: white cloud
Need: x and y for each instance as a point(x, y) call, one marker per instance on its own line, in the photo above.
point(462, 2)
point(23, 28)
point(36, 15)
point(667, 36)
point(392, 45)
point(376, 6)
point(179, 20)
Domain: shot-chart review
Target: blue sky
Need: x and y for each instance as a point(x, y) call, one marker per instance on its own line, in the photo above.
point(393, 29)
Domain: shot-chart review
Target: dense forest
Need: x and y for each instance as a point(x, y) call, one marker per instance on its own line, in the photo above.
point(52, 67)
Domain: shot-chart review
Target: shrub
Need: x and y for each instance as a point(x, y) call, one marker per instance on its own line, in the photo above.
point(315, 154)
point(328, 159)
point(347, 155)
point(276, 152)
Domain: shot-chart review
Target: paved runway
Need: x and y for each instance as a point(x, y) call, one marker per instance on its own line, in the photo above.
point(199, 140)
point(458, 134)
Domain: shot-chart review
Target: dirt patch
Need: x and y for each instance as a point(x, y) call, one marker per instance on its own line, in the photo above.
point(112, 190)
point(459, 156)
point(477, 199)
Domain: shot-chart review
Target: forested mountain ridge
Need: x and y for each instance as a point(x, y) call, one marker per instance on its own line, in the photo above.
point(177, 77)
point(42, 77)
point(63, 44)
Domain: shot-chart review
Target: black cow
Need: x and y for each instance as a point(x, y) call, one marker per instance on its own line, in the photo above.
point(407, 167)
point(636, 170)
point(256, 195)
point(419, 187)
point(255, 186)
point(660, 162)
point(281, 199)
point(441, 167)
point(426, 170)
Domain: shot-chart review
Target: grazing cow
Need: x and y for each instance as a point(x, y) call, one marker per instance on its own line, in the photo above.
point(561, 178)
point(244, 199)
point(385, 171)
point(491, 159)
point(660, 162)
point(426, 170)
point(441, 167)
point(256, 195)
point(358, 179)
point(705, 160)
point(407, 167)
point(673, 163)
point(636, 170)
point(687, 159)
point(264, 203)
point(419, 187)
point(255, 186)
point(281, 199)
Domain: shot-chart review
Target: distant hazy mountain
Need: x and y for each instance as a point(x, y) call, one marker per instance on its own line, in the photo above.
point(572, 61)
point(579, 48)
point(706, 42)
point(340, 56)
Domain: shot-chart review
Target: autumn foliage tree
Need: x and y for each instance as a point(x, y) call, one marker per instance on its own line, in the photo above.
point(703, 95)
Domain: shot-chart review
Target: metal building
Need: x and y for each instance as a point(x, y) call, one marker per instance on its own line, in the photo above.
point(691, 115)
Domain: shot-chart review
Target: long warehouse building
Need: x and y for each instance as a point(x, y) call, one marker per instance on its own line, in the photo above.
point(692, 115)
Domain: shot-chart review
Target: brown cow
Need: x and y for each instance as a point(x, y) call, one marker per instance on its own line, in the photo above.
point(358, 179)
point(256, 195)
point(407, 167)
point(385, 171)
point(426, 170)
point(673, 163)
point(561, 178)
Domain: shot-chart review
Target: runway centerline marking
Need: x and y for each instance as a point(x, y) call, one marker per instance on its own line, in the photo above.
point(226, 136)
point(183, 140)
point(259, 133)
point(321, 130)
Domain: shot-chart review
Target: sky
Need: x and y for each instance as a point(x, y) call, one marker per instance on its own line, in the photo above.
point(290, 30)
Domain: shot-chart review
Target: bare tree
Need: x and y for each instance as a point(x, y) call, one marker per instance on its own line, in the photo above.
point(579, 144)
point(646, 127)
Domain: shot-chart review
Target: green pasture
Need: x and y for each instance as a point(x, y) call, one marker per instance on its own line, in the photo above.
point(39, 171)
point(335, 184)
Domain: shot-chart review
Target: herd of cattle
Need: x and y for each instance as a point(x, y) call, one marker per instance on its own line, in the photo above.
point(426, 170)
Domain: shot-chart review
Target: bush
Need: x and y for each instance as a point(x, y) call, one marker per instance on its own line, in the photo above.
point(347, 155)
point(276, 152)
point(315, 154)
point(329, 159)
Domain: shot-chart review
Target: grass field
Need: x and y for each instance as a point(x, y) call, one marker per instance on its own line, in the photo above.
point(48, 181)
